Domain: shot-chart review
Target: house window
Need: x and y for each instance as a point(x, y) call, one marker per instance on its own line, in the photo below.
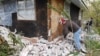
point(26, 10)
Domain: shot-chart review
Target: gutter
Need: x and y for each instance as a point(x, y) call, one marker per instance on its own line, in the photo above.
point(84, 4)
point(79, 3)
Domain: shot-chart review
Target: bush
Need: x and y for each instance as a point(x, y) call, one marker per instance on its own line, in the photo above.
point(5, 49)
point(93, 47)
point(97, 30)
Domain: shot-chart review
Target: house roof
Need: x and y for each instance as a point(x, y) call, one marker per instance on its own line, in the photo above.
point(80, 3)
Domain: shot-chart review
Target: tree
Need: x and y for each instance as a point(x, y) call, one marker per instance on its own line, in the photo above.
point(93, 11)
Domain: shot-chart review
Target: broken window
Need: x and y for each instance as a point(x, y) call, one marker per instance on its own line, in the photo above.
point(26, 10)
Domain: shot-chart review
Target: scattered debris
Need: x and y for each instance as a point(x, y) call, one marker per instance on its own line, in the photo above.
point(37, 46)
point(54, 48)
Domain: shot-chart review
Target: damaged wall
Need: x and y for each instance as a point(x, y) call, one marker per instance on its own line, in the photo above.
point(37, 27)
point(41, 16)
point(46, 19)
point(56, 28)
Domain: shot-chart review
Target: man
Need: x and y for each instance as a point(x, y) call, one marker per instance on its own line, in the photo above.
point(70, 26)
point(91, 22)
point(88, 25)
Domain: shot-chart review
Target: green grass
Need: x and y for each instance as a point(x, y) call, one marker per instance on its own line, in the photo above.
point(93, 47)
point(5, 50)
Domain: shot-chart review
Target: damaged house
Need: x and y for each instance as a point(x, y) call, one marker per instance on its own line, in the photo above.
point(34, 18)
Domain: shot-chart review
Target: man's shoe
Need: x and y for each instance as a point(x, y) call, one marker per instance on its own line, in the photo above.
point(83, 51)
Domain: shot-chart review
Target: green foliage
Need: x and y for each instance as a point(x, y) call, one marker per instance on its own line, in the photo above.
point(74, 53)
point(92, 46)
point(60, 10)
point(93, 11)
point(98, 29)
point(16, 39)
point(5, 49)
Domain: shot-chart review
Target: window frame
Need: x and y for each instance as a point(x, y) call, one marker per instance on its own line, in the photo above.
point(25, 10)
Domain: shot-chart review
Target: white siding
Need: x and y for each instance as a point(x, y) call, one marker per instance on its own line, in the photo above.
point(6, 11)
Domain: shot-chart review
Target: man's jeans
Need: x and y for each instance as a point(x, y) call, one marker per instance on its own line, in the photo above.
point(77, 39)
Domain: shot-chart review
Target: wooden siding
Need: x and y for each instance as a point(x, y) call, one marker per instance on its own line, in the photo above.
point(56, 28)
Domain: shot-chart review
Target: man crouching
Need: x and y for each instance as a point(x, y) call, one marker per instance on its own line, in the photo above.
point(71, 26)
